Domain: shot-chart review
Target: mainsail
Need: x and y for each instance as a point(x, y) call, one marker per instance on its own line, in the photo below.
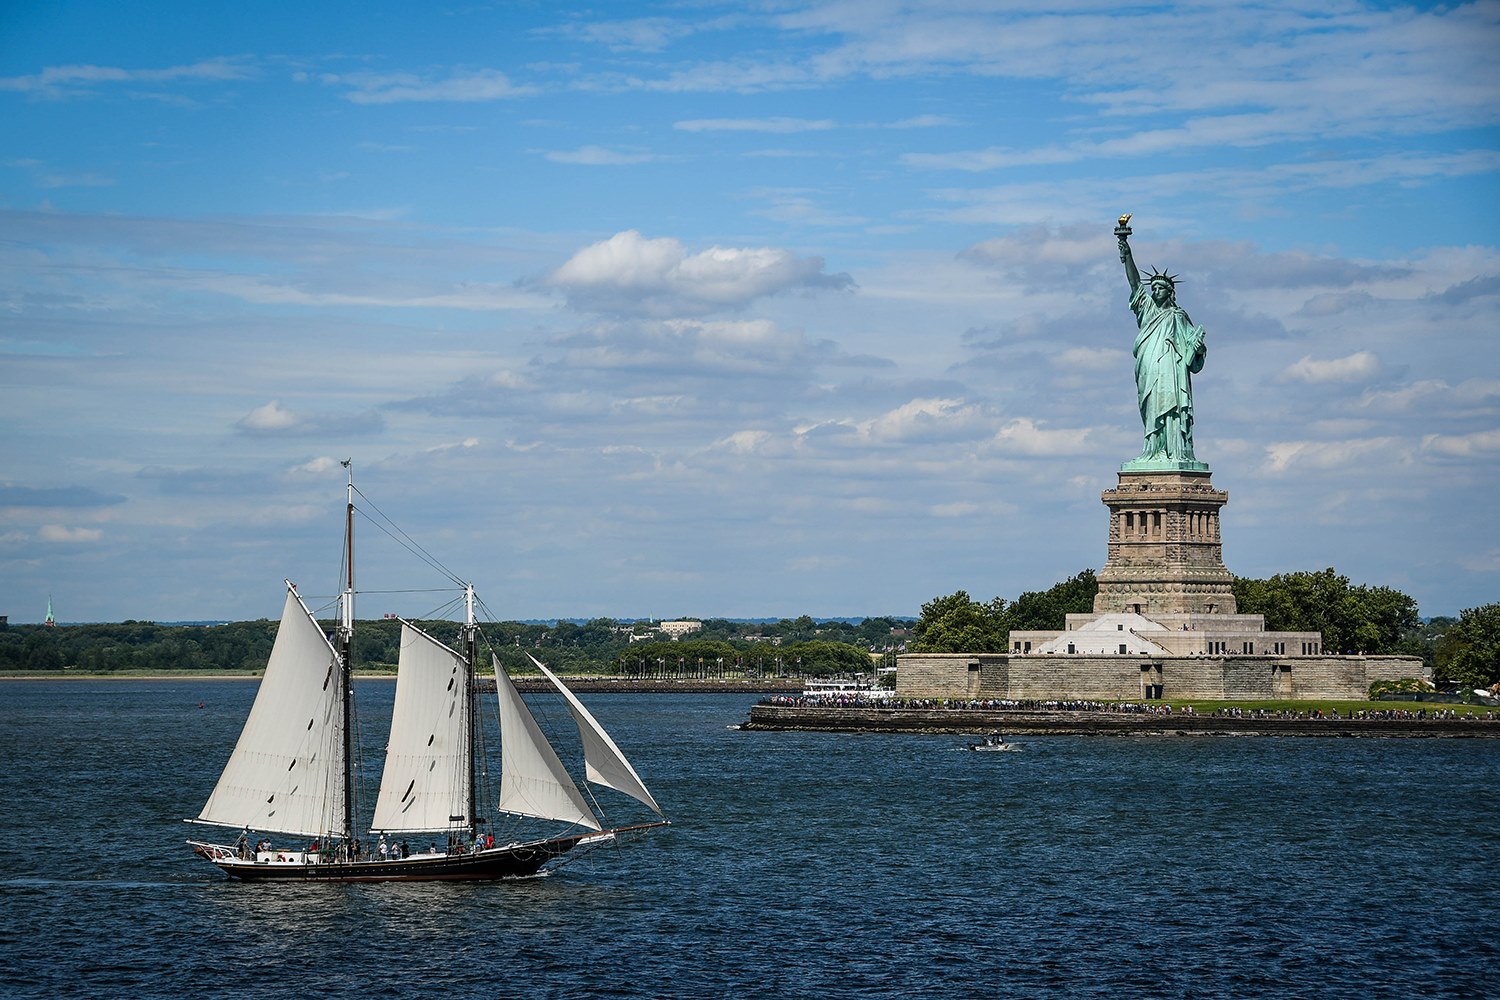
point(603, 761)
point(533, 782)
point(425, 784)
point(286, 776)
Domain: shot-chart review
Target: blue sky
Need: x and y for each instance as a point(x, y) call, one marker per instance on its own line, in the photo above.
point(749, 309)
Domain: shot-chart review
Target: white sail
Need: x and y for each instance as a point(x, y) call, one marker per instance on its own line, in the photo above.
point(533, 782)
point(286, 774)
point(603, 761)
point(425, 784)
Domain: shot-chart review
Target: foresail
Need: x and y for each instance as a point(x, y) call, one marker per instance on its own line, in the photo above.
point(533, 782)
point(425, 784)
point(286, 774)
point(603, 761)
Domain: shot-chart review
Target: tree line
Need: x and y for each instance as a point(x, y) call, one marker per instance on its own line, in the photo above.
point(799, 646)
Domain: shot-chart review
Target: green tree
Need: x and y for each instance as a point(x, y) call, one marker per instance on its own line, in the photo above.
point(820, 658)
point(1351, 618)
point(959, 624)
point(1049, 609)
point(1469, 652)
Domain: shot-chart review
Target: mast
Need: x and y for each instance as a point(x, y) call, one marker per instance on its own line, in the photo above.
point(470, 706)
point(346, 649)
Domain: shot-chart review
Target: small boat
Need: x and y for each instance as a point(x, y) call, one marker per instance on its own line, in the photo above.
point(293, 770)
point(995, 743)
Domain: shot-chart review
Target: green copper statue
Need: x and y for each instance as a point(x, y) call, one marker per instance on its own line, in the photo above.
point(1169, 350)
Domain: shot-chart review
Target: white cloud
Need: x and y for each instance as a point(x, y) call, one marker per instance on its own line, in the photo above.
point(1027, 437)
point(928, 420)
point(1475, 394)
point(641, 34)
point(683, 347)
point(464, 445)
point(68, 536)
point(317, 467)
point(1356, 367)
point(70, 81)
point(1480, 444)
point(476, 85)
point(270, 417)
point(1285, 456)
point(779, 126)
point(925, 121)
point(744, 442)
point(1093, 359)
point(599, 156)
point(274, 419)
point(631, 274)
point(514, 381)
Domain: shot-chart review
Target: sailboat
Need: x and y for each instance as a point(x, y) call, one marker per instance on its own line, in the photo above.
point(292, 771)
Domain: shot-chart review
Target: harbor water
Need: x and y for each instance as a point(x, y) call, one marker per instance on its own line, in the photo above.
point(798, 865)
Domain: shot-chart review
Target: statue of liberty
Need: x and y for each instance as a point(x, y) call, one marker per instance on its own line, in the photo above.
point(1169, 350)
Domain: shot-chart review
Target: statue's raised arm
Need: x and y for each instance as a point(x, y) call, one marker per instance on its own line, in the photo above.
point(1122, 233)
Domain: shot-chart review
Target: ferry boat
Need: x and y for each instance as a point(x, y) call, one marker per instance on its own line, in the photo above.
point(858, 688)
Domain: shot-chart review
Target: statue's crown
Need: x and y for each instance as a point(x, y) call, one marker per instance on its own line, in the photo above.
point(1156, 276)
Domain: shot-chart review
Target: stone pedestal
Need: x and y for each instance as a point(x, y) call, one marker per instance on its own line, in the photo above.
point(1165, 554)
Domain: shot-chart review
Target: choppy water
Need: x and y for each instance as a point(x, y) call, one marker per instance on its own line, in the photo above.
point(799, 865)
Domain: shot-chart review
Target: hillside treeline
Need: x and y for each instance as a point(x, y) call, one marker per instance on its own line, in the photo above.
point(797, 647)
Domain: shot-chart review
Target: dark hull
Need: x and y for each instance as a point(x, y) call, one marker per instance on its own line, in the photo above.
point(511, 861)
point(517, 861)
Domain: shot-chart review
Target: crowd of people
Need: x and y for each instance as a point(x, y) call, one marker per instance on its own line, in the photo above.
point(1362, 715)
point(971, 704)
point(1117, 707)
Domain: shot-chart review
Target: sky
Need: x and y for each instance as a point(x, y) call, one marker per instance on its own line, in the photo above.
point(731, 309)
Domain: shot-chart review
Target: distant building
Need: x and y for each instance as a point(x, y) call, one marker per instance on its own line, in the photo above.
point(676, 630)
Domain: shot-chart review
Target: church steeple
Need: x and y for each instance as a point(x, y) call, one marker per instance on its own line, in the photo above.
point(50, 622)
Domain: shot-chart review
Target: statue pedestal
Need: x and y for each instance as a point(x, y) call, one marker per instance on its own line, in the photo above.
point(1162, 465)
point(1165, 554)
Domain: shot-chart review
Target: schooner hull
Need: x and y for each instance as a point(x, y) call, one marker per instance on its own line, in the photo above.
point(511, 861)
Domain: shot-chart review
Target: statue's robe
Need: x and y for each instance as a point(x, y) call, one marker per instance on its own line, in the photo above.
point(1169, 350)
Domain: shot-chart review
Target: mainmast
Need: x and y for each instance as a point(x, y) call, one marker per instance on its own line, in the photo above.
point(470, 644)
point(346, 649)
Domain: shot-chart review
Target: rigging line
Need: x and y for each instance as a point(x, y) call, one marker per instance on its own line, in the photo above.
point(411, 543)
point(401, 539)
point(485, 608)
point(440, 613)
